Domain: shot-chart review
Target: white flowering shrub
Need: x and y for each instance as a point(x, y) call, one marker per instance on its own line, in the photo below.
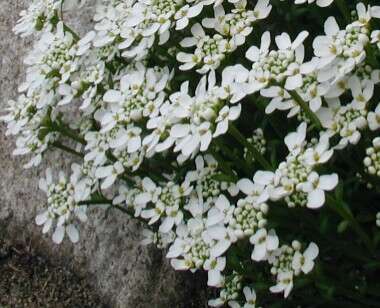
point(243, 134)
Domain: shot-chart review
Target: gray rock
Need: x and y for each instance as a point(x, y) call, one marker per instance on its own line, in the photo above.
point(109, 254)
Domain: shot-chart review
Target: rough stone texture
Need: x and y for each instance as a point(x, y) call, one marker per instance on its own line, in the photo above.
point(123, 272)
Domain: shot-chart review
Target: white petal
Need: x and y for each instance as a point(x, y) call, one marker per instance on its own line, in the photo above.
point(259, 252)
point(195, 10)
point(328, 182)
point(112, 96)
point(217, 232)
point(182, 23)
point(246, 186)
point(331, 26)
point(307, 266)
point(188, 42)
point(316, 199)
point(197, 30)
point(73, 233)
point(253, 54)
point(299, 39)
point(179, 130)
point(134, 144)
point(263, 177)
point(58, 234)
point(179, 265)
point(148, 184)
point(108, 181)
point(215, 278)
point(47, 225)
point(283, 41)
point(293, 82)
point(220, 248)
point(166, 225)
point(312, 251)
point(42, 218)
point(272, 240)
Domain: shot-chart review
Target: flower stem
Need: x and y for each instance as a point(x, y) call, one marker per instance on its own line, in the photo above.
point(65, 148)
point(227, 151)
point(98, 201)
point(95, 202)
point(260, 104)
point(344, 9)
point(311, 115)
point(67, 131)
point(344, 211)
point(243, 141)
point(68, 29)
point(61, 9)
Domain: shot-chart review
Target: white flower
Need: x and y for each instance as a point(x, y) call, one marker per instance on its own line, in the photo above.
point(361, 93)
point(271, 180)
point(233, 83)
point(295, 141)
point(221, 212)
point(63, 208)
point(264, 242)
point(237, 24)
point(284, 283)
point(305, 261)
point(214, 267)
point(373, 118)
point(250, 299)
point(339, 50)
point(316, 186)
point(321, 3)
point(320, 153)
point(347, 121)
point(372, 158)
point(209, 52)
point(161, 240)
point(226, 114)
point(36, 17)
point(174, 216)
point(279, 66)
point(109, 174)
point(185, 13)
point(256, 190)
point(223, 239)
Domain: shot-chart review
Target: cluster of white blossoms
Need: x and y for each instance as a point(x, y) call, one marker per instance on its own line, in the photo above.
point(64, 205)
point(171, 108)
point(372, 159)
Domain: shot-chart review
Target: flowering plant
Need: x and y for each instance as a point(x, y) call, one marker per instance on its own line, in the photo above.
point(249, 148)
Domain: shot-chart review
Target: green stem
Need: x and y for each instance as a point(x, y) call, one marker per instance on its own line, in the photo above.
point(241, 163)
point(61, 9)
point(344, 9)
point(344, 211)
point(243, 141)
point(66, 131)
point(305, 107)
point(65, 148)
point(131, 215)
point(223, 166)
point(95, 202)
point(124, 210)
point(98, 201)
point(370, 56)
point(261, 104)
point(68, 29)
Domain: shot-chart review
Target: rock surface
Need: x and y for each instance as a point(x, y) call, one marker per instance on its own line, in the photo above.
point(109, 254)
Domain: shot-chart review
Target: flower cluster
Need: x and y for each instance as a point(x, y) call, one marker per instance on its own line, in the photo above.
point(174, 109)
